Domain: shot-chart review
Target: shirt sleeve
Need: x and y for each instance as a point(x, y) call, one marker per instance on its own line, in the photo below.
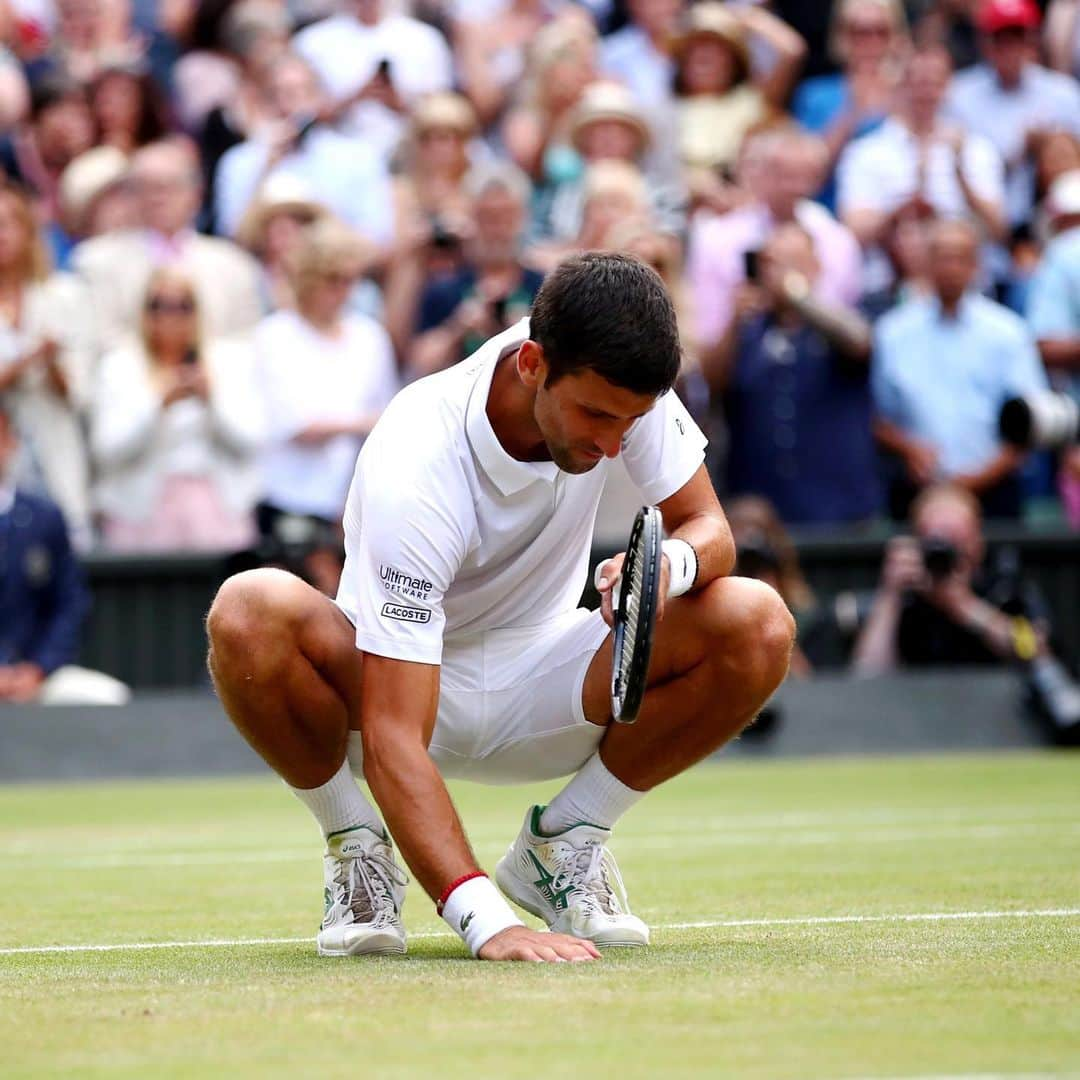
point(406, 537)
point(663, 449)
point(1026, 374)
point(1049, 307)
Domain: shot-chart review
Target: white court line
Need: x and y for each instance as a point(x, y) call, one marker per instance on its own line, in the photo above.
point(653, 841)
point(820, 920)
point(1003, 816)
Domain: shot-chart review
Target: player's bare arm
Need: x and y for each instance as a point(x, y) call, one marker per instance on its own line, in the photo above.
point(399, 703)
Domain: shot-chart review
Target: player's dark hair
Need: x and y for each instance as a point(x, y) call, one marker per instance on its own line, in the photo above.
point(610, 314)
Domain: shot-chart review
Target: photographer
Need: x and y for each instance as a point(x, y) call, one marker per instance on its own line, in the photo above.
point(793, 371)
point(941, 602)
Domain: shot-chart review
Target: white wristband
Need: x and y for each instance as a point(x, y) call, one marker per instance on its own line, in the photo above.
point(476, 911)
point(683, 561)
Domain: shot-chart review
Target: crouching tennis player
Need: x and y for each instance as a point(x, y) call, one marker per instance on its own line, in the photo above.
point(456, 648)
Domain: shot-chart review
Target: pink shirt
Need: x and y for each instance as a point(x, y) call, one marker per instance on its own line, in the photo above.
point(715, 265)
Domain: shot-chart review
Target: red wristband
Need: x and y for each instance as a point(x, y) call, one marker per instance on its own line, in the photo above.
point(445, 894)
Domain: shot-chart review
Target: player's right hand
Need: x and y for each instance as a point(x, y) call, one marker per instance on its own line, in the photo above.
point(605, 579)
point(537, 946)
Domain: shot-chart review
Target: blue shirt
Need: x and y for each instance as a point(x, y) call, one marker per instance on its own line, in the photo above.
point(1053, 300)
point(799, 416)
point(43, 597)
point(943, 380)
point(817, 104)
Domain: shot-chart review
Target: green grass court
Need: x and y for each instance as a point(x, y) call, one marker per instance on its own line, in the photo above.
point(801, 913)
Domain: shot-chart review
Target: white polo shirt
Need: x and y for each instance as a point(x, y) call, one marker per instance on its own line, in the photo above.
point(447, 536)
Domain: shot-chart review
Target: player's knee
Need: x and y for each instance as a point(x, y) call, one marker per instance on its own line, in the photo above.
point(768, 630)
point(249, 610)
point(753, 627)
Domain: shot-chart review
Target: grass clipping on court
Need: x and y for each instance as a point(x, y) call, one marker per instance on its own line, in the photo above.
point(739, 868)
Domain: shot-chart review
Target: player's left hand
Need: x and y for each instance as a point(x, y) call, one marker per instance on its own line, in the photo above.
point(607, 577)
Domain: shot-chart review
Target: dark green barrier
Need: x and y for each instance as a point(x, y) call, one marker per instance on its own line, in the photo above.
point(147, 623)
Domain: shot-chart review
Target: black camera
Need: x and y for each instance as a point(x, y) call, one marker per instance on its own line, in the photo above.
point(939, 557)
point(443, 238)
point(755, 557)
point(1045, 421)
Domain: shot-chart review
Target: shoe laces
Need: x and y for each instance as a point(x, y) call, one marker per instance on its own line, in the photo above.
point(367, 880)
point(593, 878)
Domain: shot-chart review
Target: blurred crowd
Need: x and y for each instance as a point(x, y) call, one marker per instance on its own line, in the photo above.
point(231, 229)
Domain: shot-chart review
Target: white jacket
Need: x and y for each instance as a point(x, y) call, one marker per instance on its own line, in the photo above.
point(126, 430)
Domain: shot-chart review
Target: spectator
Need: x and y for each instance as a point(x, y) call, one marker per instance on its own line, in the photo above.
point(429, 192)
point(940, 601)
point(942, 369)
point(339, 171)
point(128, 108)
point(638, 54)
point(271, 229)
point(536, 132)
point(376, 65)
point(1053, 311)
point(95, 195)
point(917, 156)
point(608, 126)
point(1061, 36)
point(905, 244)
point(782, 169)
point(165, 182)
point(46, 350)
point(867, 38)
point(43, 600)
point(793, 371)
point(60, 128)
point(326, 377)
point(491, 53)
point(765, 551)
point(494, 289)
point(229, 43)
point(14, 92)
point(720, 98)
point(1011, 100)
point(174, 429)
point(948, 24)
point(89, 36)
point(613, 193)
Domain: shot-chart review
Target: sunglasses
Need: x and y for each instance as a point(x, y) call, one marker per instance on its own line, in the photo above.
point(868, 30)
point(158, 305)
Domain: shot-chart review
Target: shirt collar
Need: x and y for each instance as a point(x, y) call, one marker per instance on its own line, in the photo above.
point(507, 473)
point(962, 309)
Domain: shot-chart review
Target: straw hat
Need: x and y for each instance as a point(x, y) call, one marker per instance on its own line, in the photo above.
point(608, 101)
point(714, 20)
point(87, 178)
point(280, 194)
point(444, 110)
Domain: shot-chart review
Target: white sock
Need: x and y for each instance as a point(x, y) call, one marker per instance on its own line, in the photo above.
point(339, 804)
point(595, 796)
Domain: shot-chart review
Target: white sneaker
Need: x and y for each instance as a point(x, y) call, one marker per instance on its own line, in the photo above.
point(571, 882)
point(365, 890)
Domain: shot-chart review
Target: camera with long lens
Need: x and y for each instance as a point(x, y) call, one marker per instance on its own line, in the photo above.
point(939, 557)
point(1045, 421)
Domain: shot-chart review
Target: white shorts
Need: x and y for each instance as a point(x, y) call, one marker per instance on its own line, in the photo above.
point(510, 708)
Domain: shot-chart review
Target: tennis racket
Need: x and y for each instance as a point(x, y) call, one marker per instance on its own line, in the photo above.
point(635, 615)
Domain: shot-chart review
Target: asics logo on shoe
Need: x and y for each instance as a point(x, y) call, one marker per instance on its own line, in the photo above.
point(352, 847)
point(465, 920)
point(557, 898)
